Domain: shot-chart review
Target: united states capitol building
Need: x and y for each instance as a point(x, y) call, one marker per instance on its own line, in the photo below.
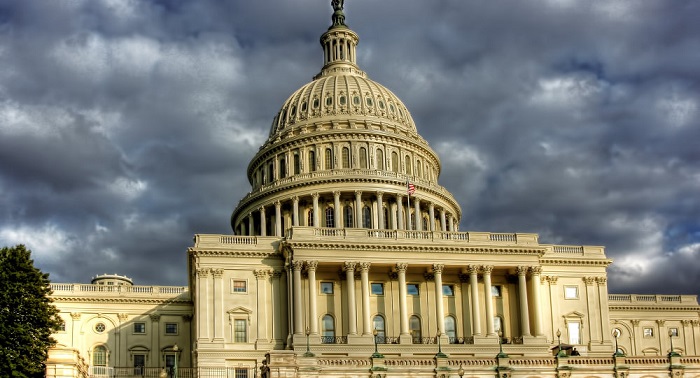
point(346, 261)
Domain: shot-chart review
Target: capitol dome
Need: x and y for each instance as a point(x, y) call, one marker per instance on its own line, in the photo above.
point(342, 152)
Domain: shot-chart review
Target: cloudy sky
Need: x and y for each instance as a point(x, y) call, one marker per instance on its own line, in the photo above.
point(126, 126)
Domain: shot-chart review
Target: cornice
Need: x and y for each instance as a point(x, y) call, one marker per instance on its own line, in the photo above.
point(653, 308)
point(232, 253)
point(418, 247)
point(576, 262)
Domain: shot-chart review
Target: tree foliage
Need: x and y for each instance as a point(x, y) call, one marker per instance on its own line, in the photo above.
point(27, 317)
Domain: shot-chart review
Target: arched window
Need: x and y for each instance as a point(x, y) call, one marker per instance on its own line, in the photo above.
point(498, 325)
point(367, 217)
point(451, 329)
point(414, 329)
point(409, 169)
point(329, 158)
point(297, 164)
point(363, 158)
point(330, 220)
point(346, 157)
point(328, 329)
point(386, 218)
point(312, 161)
point(283, 168)
point(380, 159)
point(348, 215)
point(381, 329)
point(395, 162)
point(425, 224)
point(310, 219)
point(270, 172)
point(418, 169)
point(99, 360)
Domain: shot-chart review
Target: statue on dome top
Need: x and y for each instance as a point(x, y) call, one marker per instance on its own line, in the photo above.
point(337, 5)
point(338, 17)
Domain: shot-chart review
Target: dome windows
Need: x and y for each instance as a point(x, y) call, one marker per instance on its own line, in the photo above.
point(329, 101)
point(369, 101)
point(293, 111)
point(381, 104)
point(316, 103)
point(303, 106)
point(341, 100)
point(356, 100)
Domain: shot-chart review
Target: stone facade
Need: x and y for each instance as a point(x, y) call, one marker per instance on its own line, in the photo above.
point(346, 261)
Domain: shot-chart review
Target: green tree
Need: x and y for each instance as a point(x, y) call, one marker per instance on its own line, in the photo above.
point(27, 317)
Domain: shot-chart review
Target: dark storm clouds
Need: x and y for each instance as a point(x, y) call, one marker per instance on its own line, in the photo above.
point(126, 126)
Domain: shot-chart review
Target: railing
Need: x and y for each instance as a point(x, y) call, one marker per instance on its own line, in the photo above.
point(92, 288)
point(569, 249)
point(234, 239)
point(424, 340)
point(182, 372)
point(334, 339)
point(461, 340)
point(386, 339)
point(649, 298)
point(503, 237)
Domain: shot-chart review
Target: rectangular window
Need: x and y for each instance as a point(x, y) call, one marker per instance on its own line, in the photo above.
point(139, 360)
point(241, 373)
point(139, 327)
point(171, 328)
point(496, 291)
point(240, 331)
point(570, 292)
point(240, 286)
point(673, 332)
point(326, 287)
point(377, 288)
point(574, 332)
point(648, 332)
point(412, 289)
point(62, 326)
point(448, 290)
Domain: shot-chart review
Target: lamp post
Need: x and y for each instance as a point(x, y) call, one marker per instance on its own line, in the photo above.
point(439, 353)
point(176, 350)
point(308, 351)
point(616, 335)
point(460, 372)
point(376, 353)
point(560, 353)
point(500, 345)
point(672, 353)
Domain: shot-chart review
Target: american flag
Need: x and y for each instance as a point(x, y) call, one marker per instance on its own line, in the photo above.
point(411, 188)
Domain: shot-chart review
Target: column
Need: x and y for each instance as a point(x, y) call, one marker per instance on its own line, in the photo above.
point(474, 285)
point(251, 227)
point(219, 319)
point(437, 270)
point(399, 208)
point(358, 209)
point(278, 218)
point(155, 327)
point(443, 221)
point(349, 268)
point(488, 299)
point(403, 307)
point(261, 276)
point(524, 311)
point(450, 224)
point(75, 330)
point(295, 211)
point(536, 300)
point(593, 316)
point(604, 308)
point(279, 308)
point(313, 317)
point(263, 225)
point(296, 284)
point(203, 304)
point(336, 205)
point(416, 214)
point(380, 211)
point(316, 214)
point(431, 213)
point(364, 277)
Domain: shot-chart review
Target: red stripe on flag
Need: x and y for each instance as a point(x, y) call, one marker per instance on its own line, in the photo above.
point(411, 189)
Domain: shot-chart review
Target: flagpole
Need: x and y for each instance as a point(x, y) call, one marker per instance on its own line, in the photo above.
point(408, 211)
